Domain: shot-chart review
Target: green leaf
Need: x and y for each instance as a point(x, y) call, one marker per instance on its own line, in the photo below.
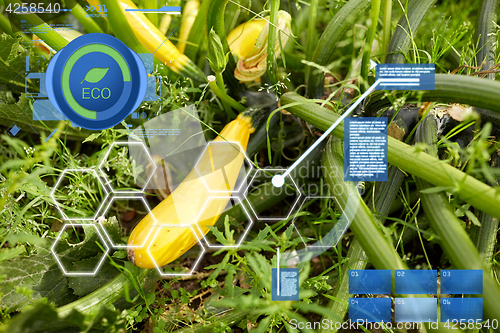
point(21, 113)
point(84, 285)
point(42, 318)
point(12, 60)
point(336, 299)
point(42, 274)
point(437, 189)
point(150, 298)
point(7, 253)
point(95, 74)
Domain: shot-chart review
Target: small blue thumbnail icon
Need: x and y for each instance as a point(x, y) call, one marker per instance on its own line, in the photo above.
point(285, 284)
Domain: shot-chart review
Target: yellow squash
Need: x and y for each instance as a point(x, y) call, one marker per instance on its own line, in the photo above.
point(188, 17)
point(156, 42)
point(242, 39)
point(186, 204)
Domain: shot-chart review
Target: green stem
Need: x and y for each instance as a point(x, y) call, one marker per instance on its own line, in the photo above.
point(461, 89)
point(121, 28)
point(5, 25)
point(50, 36)
point(387, 27)
point(486, 35)
point(225, 98)
point(357, 260)
point(229, 318)
point(454, 240)
point(335, 30)
point(197, 34)
point(486, 236)
point(220, 80)
point(272, 65)
point(215, 20)
point(407, 158)
point(367, 49)
point(364, 225)
point(87, 22)
point(106, 295)
point(153, 17)
point(311, 32)
point(402, 38)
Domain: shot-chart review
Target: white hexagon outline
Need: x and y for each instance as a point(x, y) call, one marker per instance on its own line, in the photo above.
point(100, 261)
point(127, 143)
point(197, 260)
point(242, 237)
point(57, 203)
point(245, 156)
point(135, 197)
point(273, 218)
point(308, 197)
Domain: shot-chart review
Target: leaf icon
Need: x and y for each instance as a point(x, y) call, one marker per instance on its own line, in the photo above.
point(95, 74)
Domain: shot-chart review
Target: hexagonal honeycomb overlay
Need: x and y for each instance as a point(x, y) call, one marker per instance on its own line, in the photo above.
point(80, 249)
point(127, 166)
point(79, 193)
point(225, 236)
point(223, 167)
point(317, 230)
point(261, 185)
point(188, 258)
point(120, 215)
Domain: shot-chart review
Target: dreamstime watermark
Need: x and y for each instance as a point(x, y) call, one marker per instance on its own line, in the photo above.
point(326, 324)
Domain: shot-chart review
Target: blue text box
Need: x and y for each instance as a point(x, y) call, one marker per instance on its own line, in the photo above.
point(405, 76)
point(415, 310)
point(372, 310)
point(461, 309)
point(365, 149)
point(415, 281)
point(285, 287)
point(456, 281)
point(369, 281)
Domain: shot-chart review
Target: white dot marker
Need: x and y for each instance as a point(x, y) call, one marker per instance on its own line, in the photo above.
point(278, 180)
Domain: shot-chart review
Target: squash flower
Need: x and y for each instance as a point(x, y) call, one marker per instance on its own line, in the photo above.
point(251, 48)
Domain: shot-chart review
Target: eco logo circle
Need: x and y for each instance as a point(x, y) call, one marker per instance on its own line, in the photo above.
point(96, 81)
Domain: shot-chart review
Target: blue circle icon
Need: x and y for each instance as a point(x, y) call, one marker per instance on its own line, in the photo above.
point(96, 81)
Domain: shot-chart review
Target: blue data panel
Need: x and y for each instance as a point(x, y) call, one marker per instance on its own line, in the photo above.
point(415, 310)
point(371, 310)
point(365, 149)
point(369, 281)
point(415, 281)
point(405, 76)
point(461, 309)
point(455, 281)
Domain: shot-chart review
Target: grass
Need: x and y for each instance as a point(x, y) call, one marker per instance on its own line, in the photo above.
point(439, 209)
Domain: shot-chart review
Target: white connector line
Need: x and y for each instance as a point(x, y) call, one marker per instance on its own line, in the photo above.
point(278, 273)
point(328, 131)
point(279, 180)
point(399, 80)
point(399, 84)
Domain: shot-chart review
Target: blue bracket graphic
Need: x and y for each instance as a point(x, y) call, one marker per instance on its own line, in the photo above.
point(163, 10)
point(31, 76)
